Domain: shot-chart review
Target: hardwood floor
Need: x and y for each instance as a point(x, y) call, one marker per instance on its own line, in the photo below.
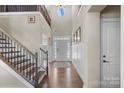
point(61, 78)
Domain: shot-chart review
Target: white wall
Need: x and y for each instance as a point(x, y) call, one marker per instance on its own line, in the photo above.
point(88, 64)
point(28, 34)
point(92, 41)
point(77, 50)
point(7, 79)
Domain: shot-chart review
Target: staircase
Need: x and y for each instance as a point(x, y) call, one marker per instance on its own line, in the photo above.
point(21, 60)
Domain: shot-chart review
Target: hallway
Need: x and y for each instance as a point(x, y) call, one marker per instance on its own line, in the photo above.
point(63, 46)
point(64, 76)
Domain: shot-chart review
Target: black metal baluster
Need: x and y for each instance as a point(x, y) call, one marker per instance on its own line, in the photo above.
point(33, 67)
point(17, 57)
point(47, 62)
point(25, 53)
point(20, 59)
point(11, 52)
point(15, 53)
point(26, 63)
point(23, 62)
point(2, 44)
point(36, 77)
point(8, 48)
point(23, 66)
point(30, 66)
point(5, 47)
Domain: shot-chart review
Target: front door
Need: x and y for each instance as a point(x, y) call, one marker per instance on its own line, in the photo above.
point(110, 53)
point(62, 50)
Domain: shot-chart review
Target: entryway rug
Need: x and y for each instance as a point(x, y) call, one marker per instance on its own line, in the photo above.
point(62, 64)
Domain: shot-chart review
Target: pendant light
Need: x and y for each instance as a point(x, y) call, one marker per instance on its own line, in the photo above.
point(61, 10)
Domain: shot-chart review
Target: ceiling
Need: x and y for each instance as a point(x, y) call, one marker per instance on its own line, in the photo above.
point(61, 25)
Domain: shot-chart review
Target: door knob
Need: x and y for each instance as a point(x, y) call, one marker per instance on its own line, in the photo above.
point(104, 61)
point(104, 55)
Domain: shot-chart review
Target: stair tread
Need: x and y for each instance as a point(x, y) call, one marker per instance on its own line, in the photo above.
point(16, 56)
point(39, 75)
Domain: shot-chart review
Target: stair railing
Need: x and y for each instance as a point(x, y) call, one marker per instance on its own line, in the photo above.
point(12, 48)
point(44, 59)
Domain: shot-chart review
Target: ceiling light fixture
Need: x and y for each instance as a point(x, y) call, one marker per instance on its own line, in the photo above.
point(60, 10)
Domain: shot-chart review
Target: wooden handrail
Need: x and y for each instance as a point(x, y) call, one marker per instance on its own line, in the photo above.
point(43, 50)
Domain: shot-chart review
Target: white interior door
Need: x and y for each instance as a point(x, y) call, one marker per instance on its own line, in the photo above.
point(110, 53)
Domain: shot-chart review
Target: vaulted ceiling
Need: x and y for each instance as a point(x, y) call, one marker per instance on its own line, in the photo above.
point(61, 25)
